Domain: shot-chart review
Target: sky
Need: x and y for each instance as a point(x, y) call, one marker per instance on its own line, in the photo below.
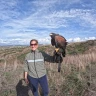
point(23, 20)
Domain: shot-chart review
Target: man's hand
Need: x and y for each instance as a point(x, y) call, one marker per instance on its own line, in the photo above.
point(26, 81)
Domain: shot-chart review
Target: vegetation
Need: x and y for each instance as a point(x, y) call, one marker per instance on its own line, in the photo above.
point(80, 48)
point(77, 76)
point(1, 60)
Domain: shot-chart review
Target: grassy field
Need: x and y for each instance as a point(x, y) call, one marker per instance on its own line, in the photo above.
point(77, 76)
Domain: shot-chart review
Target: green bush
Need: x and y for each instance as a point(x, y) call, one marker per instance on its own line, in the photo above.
point(2, 60)
point(73, 86)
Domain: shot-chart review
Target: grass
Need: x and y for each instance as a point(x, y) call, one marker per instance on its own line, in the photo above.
point(80, 48)
point(8, 93)
point(2, 60)
point(73, 86)
point(77, 76)
point(21, 57)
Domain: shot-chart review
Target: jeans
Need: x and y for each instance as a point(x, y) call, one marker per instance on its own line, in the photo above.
point(34, 82)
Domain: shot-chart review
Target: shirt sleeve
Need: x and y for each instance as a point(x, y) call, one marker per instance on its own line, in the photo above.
point(47, 57)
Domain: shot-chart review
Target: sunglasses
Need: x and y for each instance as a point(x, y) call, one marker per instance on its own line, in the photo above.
point(33, 44)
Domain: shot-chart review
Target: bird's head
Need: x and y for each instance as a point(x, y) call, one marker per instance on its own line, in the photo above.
point(52, 34)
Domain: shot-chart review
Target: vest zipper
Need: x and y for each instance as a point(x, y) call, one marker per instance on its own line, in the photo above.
point(35, 65)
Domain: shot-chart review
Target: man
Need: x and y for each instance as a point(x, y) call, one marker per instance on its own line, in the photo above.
point(35, 72)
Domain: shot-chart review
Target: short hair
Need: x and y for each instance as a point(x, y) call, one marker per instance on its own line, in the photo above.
point(34, 40)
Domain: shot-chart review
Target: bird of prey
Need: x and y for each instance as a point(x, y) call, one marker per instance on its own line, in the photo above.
point(59, 42)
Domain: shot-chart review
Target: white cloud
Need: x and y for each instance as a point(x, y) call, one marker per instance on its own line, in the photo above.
point(78, 39)
point(90, 38)
point(46, 40)
point(24, 41)
point(7, 9)
point(90, 19)
point(44, 18)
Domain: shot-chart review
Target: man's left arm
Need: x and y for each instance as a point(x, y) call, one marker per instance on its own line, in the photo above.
point(47, 57)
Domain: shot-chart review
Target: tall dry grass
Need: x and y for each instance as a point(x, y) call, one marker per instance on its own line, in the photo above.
point(73, 67)
point(77, 76)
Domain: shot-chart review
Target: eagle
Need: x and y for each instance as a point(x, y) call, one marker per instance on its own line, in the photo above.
point(59, 42)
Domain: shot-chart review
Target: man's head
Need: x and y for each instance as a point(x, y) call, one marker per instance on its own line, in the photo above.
point(34, 44)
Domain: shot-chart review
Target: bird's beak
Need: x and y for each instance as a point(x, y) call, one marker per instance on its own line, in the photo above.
point(50, 34)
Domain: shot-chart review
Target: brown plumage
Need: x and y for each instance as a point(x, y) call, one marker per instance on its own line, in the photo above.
point(59, 42)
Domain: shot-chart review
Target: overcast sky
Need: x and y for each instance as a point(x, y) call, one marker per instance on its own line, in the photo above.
point(23, 20)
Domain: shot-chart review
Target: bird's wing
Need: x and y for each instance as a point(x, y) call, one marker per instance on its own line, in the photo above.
point(52, 42)
point(60, 39)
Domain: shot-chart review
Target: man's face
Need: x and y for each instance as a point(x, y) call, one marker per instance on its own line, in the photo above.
point(34, 45)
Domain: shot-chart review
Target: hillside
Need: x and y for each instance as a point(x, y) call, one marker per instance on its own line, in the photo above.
point(77, 76)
